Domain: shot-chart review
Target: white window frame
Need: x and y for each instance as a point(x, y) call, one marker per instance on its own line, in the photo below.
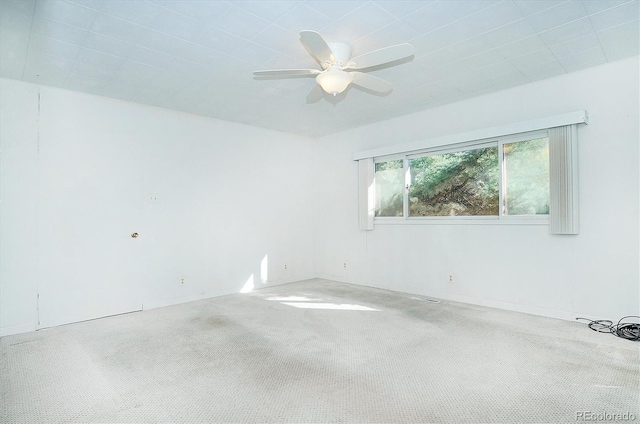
point(500, 219)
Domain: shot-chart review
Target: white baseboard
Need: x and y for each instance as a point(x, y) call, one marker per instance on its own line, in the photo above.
point(514, 307)
point(161, 303)
point(340, 279)
point(17, 329)
point(531, 310)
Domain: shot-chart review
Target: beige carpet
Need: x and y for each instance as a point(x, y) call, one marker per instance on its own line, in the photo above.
point(317, 352)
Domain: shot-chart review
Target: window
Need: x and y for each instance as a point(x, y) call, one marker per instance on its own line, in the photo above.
point(389, 188)
point(536, 173)
point(501, 178)
point(526, 176)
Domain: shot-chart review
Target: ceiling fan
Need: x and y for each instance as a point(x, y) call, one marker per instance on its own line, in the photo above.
point(339, 69)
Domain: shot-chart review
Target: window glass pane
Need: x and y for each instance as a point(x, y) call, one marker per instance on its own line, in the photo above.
point(389, 186)
point(462, 183)
point(526, 167)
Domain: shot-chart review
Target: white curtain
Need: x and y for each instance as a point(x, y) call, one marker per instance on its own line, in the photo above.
point(366, 208)
point(563, 184)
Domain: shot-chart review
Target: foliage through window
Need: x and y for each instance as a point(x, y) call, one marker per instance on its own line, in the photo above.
point(462, 183)
point(474, 181)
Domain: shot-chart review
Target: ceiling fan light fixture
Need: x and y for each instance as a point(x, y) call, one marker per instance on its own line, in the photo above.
point(334, 81)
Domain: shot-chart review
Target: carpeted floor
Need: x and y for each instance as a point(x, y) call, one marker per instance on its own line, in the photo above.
point(319, 352)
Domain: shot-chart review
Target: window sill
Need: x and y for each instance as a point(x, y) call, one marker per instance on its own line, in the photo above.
point(464, 220)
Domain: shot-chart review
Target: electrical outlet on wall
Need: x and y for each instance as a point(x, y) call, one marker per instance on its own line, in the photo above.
point(451, 280)
point(182, 281)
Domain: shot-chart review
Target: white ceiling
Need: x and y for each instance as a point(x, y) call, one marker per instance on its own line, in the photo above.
point(197, 56)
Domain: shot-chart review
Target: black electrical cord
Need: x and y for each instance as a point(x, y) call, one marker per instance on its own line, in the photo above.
point(624, 330)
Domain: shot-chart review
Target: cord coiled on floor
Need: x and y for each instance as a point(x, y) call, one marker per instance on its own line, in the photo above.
point(624, 330)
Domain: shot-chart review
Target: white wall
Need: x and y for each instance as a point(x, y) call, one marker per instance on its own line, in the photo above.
point(516, 267)
point(210, 200)
point(18, 206)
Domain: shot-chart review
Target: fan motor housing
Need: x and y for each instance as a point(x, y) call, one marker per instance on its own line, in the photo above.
point(342, 52)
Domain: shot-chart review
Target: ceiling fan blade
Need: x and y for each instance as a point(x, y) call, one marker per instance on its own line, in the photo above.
point(317, 47)
point(381, 56)
point(371, 83)
point(286, 72)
